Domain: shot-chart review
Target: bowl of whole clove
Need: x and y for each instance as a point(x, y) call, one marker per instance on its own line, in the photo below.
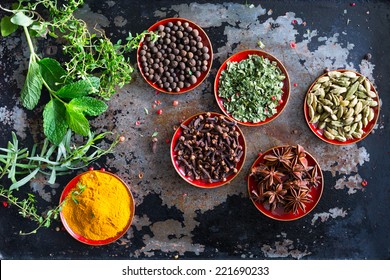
point(285, 183)
point(208, 150)
point(179, 59)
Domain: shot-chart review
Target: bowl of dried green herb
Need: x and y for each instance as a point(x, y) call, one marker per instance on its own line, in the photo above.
point(208, 150)
point(285, 183)
point(341, 107)
point(252, 87)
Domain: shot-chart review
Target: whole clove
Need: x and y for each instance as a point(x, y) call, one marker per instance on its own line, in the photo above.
point(209, 148)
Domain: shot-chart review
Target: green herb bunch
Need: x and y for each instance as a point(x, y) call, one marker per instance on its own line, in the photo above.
point(97, 66)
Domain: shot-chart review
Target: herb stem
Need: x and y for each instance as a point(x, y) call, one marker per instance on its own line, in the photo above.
point(33, 56)
point(8, 195)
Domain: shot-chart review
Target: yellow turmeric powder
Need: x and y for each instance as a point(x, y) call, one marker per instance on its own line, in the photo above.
point(102, 210)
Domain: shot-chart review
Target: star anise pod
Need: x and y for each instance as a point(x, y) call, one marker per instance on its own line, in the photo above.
point(297, 170)
point(256, 170)
point(312, 177)
point(271, 175)
point(296, 185)
point(275, 196)
point(280, 155)
point(257, 196)
point(297, 200)
point(300, 156)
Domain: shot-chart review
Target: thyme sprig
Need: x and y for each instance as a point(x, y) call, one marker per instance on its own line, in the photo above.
point(52, 160)
point(27, 207)
point(80, 189)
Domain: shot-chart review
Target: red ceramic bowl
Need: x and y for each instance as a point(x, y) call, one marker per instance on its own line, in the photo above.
point(244, 55)
point(69, 187)
point(319, 132)
point(202, 183)
point(206, 42)
point(279, 213)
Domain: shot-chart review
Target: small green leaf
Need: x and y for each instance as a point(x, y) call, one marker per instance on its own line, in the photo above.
point(7, 27)
point(79, 88)
point(54, 121)
point(21, 19)
point(52, 178)
point(31, 91)
point(76, 121)
point(25, 180)
point(88, 105)
point(47, 223)
point(155, 134)
point(52, 72)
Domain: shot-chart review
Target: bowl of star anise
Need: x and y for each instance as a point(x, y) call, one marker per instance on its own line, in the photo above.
point(285, 183)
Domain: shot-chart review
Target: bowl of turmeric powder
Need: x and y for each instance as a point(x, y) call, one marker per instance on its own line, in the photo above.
point(97, 207)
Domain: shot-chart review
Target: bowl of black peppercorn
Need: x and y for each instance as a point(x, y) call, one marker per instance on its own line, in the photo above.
point(179, 59)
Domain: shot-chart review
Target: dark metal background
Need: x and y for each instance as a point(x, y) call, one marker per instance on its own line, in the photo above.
point(176, 220)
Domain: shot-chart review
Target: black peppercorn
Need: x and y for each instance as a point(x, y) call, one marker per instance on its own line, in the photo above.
point(177, 59)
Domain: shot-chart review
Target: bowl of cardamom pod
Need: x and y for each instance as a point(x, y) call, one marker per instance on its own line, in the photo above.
point(252, 87)
point(97, 207)
point(341, 107)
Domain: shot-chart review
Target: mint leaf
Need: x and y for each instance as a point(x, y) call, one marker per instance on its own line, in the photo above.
point(54, 121)
point(88, 105)
point(7, 27)
point(31, 91)
point(21, 19)
point(52, 73)
point(76, 121)
point(79, 88)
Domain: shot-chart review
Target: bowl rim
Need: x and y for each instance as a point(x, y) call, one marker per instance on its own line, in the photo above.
point(286, 84)
point(71, 185)
point(207, 185)
point(258, 160)
point(205, 37)
point(336, 142)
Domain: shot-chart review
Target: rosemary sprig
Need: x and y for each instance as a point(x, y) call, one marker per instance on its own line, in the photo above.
point(53, 160)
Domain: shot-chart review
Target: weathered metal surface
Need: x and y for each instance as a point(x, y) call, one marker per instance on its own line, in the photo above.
point(176, 220)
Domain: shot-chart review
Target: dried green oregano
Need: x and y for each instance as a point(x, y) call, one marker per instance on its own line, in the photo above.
point(251, 88)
